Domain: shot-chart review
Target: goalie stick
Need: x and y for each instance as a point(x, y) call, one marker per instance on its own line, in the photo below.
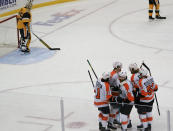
point(143, 64)
point(44, 43)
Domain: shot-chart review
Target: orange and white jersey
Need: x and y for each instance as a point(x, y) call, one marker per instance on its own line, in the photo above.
point(102, 93)
point(126, 88)
point(147, 88)
point(114, 83)
point(135, 81)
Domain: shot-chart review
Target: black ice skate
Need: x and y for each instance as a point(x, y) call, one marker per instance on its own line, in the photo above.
point(104, 129)
point(117, 122)
point(146, 129)
point(129, 125)
point(100, 126)
point(111, 126)
point(160, 17)
point(140, 126)
point(149, 127)
point(151, 18)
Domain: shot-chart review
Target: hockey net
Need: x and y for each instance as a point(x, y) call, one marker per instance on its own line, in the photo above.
point(9, 34)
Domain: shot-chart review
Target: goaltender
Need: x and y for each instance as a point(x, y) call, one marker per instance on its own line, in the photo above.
point(23, 25)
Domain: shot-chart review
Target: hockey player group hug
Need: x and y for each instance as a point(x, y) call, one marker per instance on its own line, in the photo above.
point(115, 96)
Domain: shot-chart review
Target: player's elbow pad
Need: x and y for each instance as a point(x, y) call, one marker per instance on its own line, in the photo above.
point(156, 89)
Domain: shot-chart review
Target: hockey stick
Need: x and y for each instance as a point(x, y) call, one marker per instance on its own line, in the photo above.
point(44, 43)
point(92, 69)
point(91, 78)
point(146, 67)
point(154, 93)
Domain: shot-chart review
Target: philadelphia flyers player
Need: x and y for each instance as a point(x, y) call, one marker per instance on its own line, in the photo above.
point(101, 100)
point(135, 77)
point(147, 88)
point(114, 117)
point(126, 99)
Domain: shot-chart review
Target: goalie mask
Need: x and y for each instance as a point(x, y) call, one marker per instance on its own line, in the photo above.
point(29, 4)
point(22, 11)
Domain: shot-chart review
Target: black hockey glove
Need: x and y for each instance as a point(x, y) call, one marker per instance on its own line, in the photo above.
point(114, 88)
point(126, 101)
point(113, 100)
point(120, 91)
point(119, 99)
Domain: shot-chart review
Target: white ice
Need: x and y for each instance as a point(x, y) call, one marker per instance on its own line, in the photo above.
point(102, 31)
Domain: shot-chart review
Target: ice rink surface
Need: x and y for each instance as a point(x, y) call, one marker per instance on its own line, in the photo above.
point(102, 31)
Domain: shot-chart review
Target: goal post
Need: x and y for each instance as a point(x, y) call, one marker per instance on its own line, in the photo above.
point(9, 34)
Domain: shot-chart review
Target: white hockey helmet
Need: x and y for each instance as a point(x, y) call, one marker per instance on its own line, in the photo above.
point(105, 75)
point(122, 74)
point(117, 64)
point(133, 67)
point(143, 72)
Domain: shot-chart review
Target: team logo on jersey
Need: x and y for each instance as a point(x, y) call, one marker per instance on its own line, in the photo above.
point(7, 3)
point(58, 17)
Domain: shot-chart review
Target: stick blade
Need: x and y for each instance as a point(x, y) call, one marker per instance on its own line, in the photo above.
point(54, 48)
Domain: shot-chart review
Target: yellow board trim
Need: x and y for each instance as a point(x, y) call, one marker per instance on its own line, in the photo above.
point(36, 6)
